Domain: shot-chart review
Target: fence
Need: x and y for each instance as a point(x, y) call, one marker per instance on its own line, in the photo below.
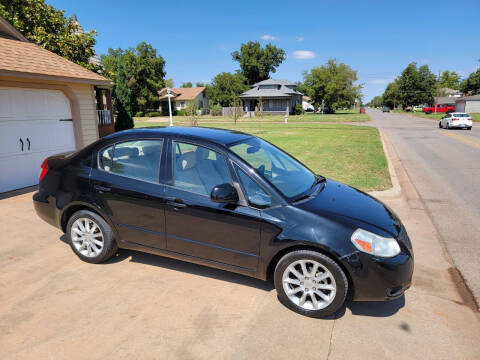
point(228, 111)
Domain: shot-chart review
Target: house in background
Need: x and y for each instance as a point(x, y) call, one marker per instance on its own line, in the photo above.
point(468, 104)
point(48, 105)
point(451, 92)
point(181, 97)
point(278, 97)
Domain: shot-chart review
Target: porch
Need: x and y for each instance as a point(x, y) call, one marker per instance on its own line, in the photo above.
point(273, 106)
point(104, 110)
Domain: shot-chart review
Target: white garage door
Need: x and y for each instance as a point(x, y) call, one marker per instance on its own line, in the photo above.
point(34, 124)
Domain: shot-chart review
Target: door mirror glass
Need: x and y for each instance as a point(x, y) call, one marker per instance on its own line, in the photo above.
point(224, 193)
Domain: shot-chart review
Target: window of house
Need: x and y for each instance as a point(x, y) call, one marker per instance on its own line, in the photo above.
point(198, 169)
point(138, 159)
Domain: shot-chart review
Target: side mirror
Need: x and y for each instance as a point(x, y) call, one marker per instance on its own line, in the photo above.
point(224, 193)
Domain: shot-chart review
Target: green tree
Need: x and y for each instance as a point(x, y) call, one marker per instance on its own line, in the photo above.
point(168, 83)
point(471, 85)
point(449, 79)
point(256, 63)
point(391, 95)
point(225, 87)
point(200, 84)
point(49, 28)
point(377, 101)
point(137, 75)
point(417, 85)
point(334, 83)
point(187, 84)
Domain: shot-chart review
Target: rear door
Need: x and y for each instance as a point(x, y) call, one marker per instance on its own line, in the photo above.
point(126, 183)
point(197, 226)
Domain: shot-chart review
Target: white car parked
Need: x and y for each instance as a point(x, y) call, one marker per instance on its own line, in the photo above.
point(456, 120)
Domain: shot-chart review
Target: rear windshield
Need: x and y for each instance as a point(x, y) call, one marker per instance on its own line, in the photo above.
point(461, 115)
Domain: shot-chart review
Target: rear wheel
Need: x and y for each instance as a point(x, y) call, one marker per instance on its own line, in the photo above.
point(469, 128)
point(310, 283)
point(90, 237)
point(440, 124)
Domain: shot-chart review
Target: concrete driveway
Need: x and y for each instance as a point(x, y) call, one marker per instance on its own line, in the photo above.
point(140, 306)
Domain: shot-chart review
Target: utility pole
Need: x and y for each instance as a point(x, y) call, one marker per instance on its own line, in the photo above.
point(394, 100)
point(169, 106)
point(436, 93)
point(322, 109)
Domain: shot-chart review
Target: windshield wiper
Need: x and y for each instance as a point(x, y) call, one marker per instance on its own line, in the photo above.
point(318, 179)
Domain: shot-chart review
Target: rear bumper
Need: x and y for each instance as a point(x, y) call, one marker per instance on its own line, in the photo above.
point(46, 209)
point(376, 279)
point(459, 126)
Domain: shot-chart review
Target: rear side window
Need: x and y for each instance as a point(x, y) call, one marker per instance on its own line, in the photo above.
point(138, 159)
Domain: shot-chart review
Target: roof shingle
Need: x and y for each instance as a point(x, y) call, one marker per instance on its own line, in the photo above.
point(26, 57)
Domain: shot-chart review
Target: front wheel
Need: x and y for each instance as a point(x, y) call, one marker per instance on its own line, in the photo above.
point(90, 237)
point(440, 124)
point(310, 283)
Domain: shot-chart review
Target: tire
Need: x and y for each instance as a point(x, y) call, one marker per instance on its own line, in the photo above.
point(102, 233)
point(336, 281)
point(469, 128)
point(447, 126)
point(428, 112)
point(440, 124)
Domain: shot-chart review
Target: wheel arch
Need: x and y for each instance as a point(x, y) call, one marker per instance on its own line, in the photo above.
point(276, 258)
point(73, 208)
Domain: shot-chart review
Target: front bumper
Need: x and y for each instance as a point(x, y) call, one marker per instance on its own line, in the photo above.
point(376, 279)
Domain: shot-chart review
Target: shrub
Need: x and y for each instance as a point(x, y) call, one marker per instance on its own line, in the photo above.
point(139, 114)
point(216, 110)
point(153, 114)
point(181, 112)
point(299, 109)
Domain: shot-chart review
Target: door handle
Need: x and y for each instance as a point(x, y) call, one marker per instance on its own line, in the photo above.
point(102, 189)
point(28, 140)
point(177, 205)
point(21, 142)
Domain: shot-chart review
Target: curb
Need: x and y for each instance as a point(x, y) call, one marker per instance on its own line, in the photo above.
point(395, 191)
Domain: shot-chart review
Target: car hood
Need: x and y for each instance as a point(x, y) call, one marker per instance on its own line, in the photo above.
point(342, 200)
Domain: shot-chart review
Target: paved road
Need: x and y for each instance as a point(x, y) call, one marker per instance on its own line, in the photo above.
point(444, 166)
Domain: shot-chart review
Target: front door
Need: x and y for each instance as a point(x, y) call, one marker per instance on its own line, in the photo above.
point(127, 184)
point(197, 226)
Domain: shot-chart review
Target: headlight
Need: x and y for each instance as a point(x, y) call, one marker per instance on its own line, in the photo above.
point(374, 244)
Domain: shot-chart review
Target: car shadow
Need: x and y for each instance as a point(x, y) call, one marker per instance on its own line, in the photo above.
point(358, 308)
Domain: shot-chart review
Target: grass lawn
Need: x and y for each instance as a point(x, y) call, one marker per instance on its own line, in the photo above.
point(351, 154)
point(438, 116)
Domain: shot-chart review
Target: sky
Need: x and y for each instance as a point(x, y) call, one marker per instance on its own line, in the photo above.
point(376, 38)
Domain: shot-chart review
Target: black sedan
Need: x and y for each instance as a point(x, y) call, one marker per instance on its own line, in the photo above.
point(232, 201)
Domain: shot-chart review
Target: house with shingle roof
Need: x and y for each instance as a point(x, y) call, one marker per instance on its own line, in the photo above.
point(181, 97)
point(48, 105)
point(278, 97)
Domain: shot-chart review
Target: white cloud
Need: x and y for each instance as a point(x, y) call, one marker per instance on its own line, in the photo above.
point(381, 81)
point(269, 37)
point(303, 54)
point(299, 38)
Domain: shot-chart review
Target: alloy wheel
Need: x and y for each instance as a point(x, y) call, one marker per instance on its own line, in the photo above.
point(87, 237)
point(309, 284)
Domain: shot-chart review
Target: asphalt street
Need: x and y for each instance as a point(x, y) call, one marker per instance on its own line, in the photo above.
point(444, 167)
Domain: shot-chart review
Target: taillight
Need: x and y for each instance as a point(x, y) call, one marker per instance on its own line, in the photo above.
point(43, 169)
point(454, 119)
point(469, 119)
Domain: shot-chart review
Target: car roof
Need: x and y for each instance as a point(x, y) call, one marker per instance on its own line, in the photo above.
point(214, 135)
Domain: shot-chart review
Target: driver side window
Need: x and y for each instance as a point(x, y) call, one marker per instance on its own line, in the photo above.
point(255, 195)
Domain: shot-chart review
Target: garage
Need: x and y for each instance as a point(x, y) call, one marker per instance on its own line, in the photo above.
point(34, 124)
point(48, 105)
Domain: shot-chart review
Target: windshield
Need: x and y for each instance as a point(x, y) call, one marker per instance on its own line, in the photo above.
point(285, 173)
